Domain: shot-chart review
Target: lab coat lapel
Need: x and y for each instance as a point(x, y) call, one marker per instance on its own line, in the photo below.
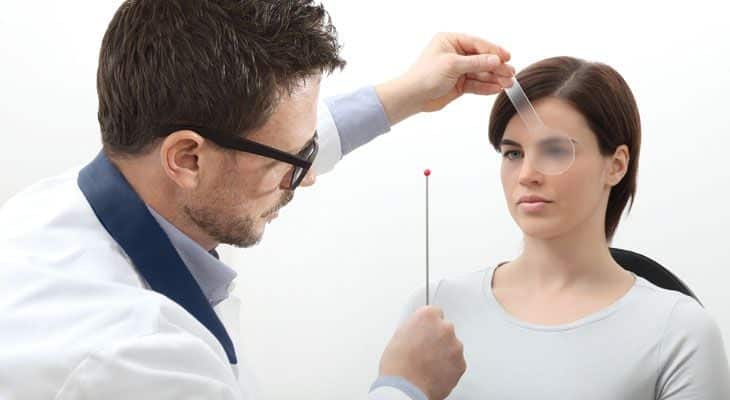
point(129, 222)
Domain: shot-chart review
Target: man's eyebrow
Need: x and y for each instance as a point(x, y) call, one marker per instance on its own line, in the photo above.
point(509, 142)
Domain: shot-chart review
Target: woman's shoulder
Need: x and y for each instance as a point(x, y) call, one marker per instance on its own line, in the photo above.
point(687, 325)
point(464, 290)
point(473, 282)
point(691, 352)
point(463, 287)
point(675, 305)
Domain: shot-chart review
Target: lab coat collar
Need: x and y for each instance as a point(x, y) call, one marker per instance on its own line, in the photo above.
point(126, 217)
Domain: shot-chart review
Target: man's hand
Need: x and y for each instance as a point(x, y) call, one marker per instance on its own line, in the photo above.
point(425, 351)
point(451, 65)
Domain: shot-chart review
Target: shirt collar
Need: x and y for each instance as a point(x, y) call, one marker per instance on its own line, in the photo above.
point(213, 276)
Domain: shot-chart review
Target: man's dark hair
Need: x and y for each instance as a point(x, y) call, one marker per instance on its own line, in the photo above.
point(221, 64)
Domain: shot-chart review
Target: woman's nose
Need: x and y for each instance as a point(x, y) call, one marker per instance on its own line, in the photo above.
point(529, 175)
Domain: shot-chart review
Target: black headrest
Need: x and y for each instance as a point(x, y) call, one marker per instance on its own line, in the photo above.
point(650, 270)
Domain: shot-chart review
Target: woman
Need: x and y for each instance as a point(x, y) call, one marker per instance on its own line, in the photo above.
point(564, 320)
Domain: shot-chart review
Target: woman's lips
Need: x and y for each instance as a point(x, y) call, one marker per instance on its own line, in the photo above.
point(533, 203)
point(532, 199)
point(533, 207)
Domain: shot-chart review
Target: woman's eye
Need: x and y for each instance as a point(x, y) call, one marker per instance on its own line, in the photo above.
point(512, 154)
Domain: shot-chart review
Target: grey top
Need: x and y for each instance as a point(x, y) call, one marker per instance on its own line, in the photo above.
point(651, 343)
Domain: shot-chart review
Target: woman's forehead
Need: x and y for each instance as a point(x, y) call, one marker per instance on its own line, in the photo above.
point(558, 115)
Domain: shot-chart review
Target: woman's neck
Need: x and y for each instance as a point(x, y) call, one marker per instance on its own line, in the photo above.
point(579, 259)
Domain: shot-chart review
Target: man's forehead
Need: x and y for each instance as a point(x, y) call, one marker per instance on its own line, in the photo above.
point(292, 124)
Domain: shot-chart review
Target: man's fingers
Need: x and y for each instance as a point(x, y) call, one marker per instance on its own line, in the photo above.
point(505, 70)
point(489, 77)
point(474, 45)
point(482, 76)
point(473, 64)
point(480, 63)
point(479, 87)
point(437, 311)
point(502, 70)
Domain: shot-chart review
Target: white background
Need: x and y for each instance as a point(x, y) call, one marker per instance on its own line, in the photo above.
point(324, 290)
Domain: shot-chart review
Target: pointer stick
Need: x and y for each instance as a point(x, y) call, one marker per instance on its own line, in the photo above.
point(427, 173)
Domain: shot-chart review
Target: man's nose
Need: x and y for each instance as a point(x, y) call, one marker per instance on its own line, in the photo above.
point(310, 179)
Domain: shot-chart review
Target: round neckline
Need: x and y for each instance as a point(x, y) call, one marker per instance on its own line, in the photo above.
point(583, 321)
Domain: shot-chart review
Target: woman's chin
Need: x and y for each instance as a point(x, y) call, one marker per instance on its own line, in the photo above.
point(542, 230)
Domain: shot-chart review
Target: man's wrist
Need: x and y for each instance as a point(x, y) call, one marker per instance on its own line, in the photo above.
point(400, 99)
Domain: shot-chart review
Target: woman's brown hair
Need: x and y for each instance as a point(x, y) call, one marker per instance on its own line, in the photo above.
point(604, 99)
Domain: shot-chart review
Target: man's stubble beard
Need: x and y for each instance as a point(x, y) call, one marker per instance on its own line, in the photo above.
point(235, 230)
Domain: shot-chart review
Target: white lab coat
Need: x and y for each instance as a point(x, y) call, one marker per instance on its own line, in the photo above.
point(77, 321)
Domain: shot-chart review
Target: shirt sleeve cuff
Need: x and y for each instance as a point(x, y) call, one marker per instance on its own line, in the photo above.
point(330, 149)
point(395, 388)
point(347, 122)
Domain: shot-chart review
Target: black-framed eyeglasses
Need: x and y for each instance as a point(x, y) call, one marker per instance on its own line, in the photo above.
point(301, 162)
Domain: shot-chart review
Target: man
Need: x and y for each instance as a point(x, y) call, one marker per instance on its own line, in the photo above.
point(111, 286)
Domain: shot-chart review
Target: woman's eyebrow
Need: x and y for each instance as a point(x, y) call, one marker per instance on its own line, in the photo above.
point(509, 142)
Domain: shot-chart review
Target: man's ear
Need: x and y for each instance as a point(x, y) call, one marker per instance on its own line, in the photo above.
point(180, 157)
point(618, 165)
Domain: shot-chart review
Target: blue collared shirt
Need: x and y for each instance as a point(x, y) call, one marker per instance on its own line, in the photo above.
point(213, 276)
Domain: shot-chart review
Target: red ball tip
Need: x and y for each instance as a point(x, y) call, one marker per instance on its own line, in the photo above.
point(427, 172)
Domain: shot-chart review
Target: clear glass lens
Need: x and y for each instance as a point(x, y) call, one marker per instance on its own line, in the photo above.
point(552, 155)
point(297, 175)
point(309, 153)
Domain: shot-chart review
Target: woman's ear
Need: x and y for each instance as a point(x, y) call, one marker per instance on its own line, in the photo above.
point(618, 165)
